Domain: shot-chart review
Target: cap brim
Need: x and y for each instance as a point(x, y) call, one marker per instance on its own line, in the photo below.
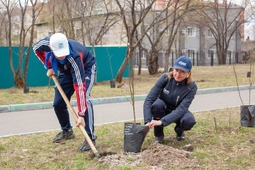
point(182, 68)
point(62, 52)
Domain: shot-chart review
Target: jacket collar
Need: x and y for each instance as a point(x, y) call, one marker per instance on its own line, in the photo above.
point(184, 82)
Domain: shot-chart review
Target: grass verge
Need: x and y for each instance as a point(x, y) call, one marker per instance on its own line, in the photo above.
point(229, 148)
point(205, 77)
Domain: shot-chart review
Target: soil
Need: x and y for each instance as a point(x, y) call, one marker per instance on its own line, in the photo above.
point(157, 156)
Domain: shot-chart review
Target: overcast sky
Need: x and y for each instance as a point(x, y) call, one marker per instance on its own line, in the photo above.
point(248, 27)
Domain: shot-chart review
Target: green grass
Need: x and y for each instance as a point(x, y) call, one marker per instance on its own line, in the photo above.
point(229, 148)
point(205, 77)
point(226, 148)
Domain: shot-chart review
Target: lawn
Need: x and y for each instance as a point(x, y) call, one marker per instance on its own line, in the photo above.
point(205, 77)
point(225, 145)
point(230, 147)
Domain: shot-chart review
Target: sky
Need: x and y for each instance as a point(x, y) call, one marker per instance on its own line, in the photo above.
point(248, 27)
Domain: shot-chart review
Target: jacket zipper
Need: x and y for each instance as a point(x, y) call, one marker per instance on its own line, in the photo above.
point(177, 100)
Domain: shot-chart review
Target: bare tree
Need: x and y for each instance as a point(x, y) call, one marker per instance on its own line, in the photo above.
point(140, 52)
point(132, 13)
point(66, 18)
point(163, 34)
point(97, 18)
point(224, 21)
point(35, 9)
point(21, 8)
point(3, 29)
point(61, 16)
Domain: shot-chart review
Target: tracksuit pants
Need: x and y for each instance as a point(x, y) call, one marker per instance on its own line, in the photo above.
point(60, 107)
point(159, 110)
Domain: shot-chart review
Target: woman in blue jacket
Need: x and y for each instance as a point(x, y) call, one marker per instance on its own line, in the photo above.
point(169, 99)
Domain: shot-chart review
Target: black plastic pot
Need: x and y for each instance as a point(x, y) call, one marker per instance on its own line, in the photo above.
point(26, 88)
point(247, 115)
point(134, 135)
point(112, 83)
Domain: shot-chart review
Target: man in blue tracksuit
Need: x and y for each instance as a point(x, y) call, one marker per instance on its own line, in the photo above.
point(77, 67)
point(169, 100)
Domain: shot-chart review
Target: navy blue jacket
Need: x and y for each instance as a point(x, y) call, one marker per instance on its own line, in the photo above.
point(177, 96)
point(78, 66)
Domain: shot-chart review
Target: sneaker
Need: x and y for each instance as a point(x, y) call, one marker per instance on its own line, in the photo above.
point(159, 139)
point(181, 137)
point(85, 146)
point(64, 135)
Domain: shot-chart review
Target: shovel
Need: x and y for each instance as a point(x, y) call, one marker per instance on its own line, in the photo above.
point(94, 150)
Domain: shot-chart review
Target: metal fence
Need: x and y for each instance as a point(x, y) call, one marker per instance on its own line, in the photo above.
point(109, 60)
point(208, 58)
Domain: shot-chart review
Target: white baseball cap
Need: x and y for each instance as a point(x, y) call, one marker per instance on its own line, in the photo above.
point(59, 45)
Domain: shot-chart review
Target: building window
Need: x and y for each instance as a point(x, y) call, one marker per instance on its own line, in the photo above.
point(183, 52)
point(191, 31)
point(183, 32)
point(210, 53)
point(106, 32)
point(79, 33)
point(143, 55)
point(191, 53)
point(209, 33)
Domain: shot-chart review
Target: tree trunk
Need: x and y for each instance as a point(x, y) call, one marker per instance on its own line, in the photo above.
point(18, 81)
point(140, 60)
point(153, 68)
point(122, 70)
point(166, 61)
point(124, 65)
point(153, 65)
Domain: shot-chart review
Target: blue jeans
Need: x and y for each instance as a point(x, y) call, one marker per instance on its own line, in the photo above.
point(60, 107)
point(159, 110)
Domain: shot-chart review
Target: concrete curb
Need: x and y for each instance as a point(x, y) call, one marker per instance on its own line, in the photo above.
point(48, 105)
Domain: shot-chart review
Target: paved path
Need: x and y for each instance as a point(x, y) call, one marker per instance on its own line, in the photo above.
point(33, 121)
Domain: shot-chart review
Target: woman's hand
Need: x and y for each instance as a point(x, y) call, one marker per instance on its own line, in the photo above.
point(80, 121)
point(154, 123)
point(149, 124)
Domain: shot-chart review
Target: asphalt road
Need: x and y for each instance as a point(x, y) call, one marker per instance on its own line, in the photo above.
point(34, 121)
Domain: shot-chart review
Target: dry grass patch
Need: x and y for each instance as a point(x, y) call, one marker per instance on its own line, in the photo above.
point(205, 76)
point(229, 148)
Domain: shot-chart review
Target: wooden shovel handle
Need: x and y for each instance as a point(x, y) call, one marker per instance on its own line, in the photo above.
point(75, 116)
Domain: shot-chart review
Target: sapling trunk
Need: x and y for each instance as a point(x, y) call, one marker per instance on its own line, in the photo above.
point(215, 123)
point(132, 89)
point(237, 84)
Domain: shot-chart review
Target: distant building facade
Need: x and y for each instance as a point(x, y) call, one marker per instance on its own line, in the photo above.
point(193, 41)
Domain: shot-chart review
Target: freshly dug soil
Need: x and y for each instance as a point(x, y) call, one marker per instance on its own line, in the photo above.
point(156, 156)
point(167, 156)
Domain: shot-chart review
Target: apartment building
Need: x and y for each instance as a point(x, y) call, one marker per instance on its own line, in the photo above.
point(194, 40)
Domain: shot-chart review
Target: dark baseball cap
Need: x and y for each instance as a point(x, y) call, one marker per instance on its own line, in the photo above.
point(183, 63)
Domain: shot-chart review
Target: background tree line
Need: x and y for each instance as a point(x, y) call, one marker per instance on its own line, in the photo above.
point(148, 25)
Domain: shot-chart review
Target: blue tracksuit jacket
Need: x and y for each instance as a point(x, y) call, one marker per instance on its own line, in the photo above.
point(77, 65)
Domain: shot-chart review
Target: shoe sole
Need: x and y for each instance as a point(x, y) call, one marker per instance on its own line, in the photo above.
point(85, 150)
point(61, 140)
point(158, 143)
point(180, 139)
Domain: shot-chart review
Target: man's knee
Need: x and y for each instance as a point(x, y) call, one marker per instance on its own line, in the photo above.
point(59, 104)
